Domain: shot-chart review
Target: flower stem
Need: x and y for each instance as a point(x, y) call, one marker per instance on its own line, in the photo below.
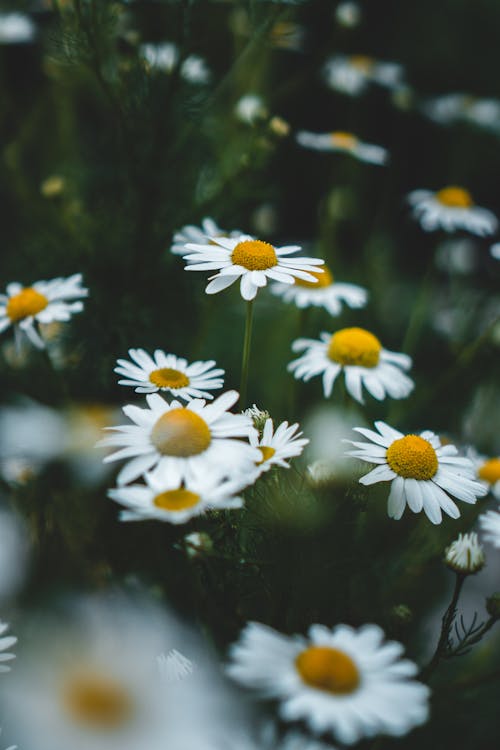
point(446, 625)
point(245, 360)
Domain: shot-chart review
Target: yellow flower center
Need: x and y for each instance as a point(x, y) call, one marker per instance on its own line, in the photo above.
point(98, 701)
point(180, 499)
point(347, 141)
point(412, 457)
point(324, 278)
point(454, 197)
point(267, 453)
point(181, 432)
point(354, 346)
point(167, 377)
point(328, 669)
point(490, 471)
point(27, 302)
point(363, 63)
point(254, 255)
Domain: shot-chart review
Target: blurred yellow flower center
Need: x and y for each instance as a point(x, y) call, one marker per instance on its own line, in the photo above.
point(363, 63)
point(27, 302)
point(344, 140)
point(98, 701)
point(412, 457)
point(267, 453)
point(454, 197)
point(181, 432)
point(254, 255)
point(354, 346)
point(324, 278)
point(180, 499)
point(490, 470)
point(328, 669)
point(167, 377)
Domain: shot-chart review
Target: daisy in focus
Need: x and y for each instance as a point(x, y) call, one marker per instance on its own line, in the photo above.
point(6, 642)
point(166, 372)
point(208, 230)
point(278, 445)
point(184, 441)
point(342, 142)
point(44, 302)
point(360, 356)
point(450, 209)
point(465, 555)
point(423, 473)
point(489, 523)
point(324, 292)
point(250, 261)
point(354, 73)
point(487, 471)
point(164, 500)
point(343, 681)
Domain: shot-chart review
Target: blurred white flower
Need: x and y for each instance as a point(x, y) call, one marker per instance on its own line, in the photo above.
point(465, 555)
point(489, 523)
point(250, 108)
point(89, 678)
point(44, 302)
point(352, 74)
point(276, 446)
point(348, 14)
point(251, 261)
point(459, 107)
point(14, 555)
point(343, 681)
point(495, 251)
point(450, 209)
point(487, 471)
point(359, 355)
point(343, 142)
point(169, 373)
point(16, 28)
point(165, 57)
point(324, 292)
point(195, 70)
point(423, 473)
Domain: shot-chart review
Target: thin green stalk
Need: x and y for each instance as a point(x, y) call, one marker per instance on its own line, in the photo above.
point(245, 360)
point(446, 626)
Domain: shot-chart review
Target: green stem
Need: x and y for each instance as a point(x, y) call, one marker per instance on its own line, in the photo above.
point(446, 625)
point(245, 361)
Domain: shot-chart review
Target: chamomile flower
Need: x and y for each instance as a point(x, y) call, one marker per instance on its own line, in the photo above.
point(324, 292)
point(489, 523)
point(166, 372)
point(343, 681)
point(360, 356)
point(354, 73)
point(423, 473)
point(460, 107)
point(495, 251)
point(6, 642)
point(343, 142)
point(278, 445)
point(250, 108)
point(165, 58)
point(465, 555)
point(487, 471)
point(163, 500)
point(184, 441)
point(44, 302)
point(16, 28)
point(208, 230)
point(251, 261)
point(450, 209)
point(348, 14)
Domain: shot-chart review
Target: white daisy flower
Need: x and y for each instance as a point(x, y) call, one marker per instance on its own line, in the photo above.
point(490, 526)
point(6, 641)
point(163, 500)
point(465, 555)
point(324, 292)
point(360, 356)
point(207, 231)
point(194, 69)
point(250, 109)
point(450, 209)
point(343, 142)
point(250, 260)
point(184, 441)
point(166, 372)
point(343, 681)
point(460, 107)
point(278, 445)
point(487, 471)
point(352, 74)
point(495, 251)
point(44, 302)
point(348, 14)
point(16, 28)
point(165, 57)
point(423, 473)
point(174, 666)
